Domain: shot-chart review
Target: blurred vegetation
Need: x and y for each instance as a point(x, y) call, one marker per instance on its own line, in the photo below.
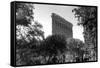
point(24, 13)
point(54, 47)
point(33, 49)
point(87, 17)
point(29, 34)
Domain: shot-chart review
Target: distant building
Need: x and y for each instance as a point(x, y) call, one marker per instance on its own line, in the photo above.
point(61, 26)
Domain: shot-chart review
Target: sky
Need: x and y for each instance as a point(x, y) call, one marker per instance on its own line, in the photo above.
point(42, 14)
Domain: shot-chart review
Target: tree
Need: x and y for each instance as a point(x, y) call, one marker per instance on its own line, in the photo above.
point(87, 17)
point(27, 30)
point(24, 13)
point(76, 48)
point(54, 47)
point(28, 34)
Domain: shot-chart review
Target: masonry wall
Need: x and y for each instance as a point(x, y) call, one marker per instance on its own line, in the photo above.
point(61, 26)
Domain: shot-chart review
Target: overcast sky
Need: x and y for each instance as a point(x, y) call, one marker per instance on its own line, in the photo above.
point(42, 14)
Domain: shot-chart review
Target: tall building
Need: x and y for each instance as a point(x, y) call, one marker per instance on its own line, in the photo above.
point(61, 26)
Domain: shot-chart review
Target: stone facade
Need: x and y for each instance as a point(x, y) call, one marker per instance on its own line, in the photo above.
point(61, 26)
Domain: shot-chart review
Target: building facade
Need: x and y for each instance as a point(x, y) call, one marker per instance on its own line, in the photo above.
point(61, 26)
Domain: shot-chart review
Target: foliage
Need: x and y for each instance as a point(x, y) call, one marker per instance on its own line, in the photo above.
point(27, 38)
point(29, 34)
point(27, 30)
point(36, 30)
point(24, 13)
point(87, 17)
point(53, 47)
point(76, 48)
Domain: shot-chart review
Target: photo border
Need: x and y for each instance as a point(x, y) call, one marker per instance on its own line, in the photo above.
point(13, 32)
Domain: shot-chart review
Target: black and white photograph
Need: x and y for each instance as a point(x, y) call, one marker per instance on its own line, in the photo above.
point(49, 33)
